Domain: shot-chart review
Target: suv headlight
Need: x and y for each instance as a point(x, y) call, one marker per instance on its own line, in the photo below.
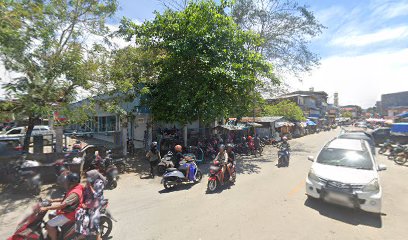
point(312, 176)
point(372, 186)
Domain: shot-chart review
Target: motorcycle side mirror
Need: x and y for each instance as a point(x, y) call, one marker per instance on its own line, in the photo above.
point(310, 158)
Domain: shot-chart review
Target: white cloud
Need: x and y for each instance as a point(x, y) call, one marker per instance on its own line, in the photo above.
point(386, 34)
point(360, 79)
point(389, 10)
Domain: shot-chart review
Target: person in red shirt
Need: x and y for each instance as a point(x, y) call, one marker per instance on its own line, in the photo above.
point(66, 207)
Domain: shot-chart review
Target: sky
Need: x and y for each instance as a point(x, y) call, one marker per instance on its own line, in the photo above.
point(363, 50)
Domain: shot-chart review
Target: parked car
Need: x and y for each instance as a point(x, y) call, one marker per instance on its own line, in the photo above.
point(18, 133)
point(346, 173)
point(382, 134)
point(10, 149)
point(360, 135)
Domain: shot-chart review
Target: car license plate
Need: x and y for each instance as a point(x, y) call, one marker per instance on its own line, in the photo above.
point(337, 197)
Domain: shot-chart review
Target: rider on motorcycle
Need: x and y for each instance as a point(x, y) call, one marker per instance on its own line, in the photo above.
point(66, 207)
point(222, 157)
point(285, 143)
point(231, 157)
point(179, 157)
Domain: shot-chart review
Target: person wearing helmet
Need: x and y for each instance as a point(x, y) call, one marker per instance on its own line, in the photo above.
point(154, 157)
point(66, 207)
point(180, 161)
point(88, 217)
point(222, 157)
point(285, 143)
point(231, 157)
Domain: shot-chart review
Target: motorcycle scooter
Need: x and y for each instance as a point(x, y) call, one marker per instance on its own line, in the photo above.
point(283, 157)
point(173, 176)
point(33, 226)
point(215, 176)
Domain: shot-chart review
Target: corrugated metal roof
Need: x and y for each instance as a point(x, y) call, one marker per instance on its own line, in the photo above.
point(261, 119)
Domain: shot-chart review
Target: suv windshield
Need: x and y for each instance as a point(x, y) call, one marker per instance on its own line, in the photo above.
point(345, 158)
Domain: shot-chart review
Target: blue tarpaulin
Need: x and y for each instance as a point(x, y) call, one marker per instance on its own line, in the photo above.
point(399, 128)
point(403, 115)
point(310, 123)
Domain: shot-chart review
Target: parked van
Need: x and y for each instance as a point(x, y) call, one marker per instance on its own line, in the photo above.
point(40, 130)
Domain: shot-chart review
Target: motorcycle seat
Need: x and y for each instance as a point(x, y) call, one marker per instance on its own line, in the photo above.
point(171, 169)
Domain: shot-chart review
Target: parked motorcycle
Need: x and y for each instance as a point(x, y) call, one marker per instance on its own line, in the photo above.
point(173, 176)
point(33, 226)
point(386, 146)
point(402, 157)
point(395, 150)
point(214, 179)
point(107, 168)
point(283, 157)
point(165, 163)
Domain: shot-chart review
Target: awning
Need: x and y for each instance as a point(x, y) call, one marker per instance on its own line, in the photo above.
point(281, 124)
point(252, 124)
point(310, 123)
point(403, 115)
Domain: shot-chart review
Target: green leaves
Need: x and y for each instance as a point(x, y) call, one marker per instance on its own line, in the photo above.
point(285, 108)
point(45, 43)
point(206, 68)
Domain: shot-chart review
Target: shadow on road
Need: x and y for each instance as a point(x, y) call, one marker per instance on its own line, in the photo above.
point(343, 214)
point(177, 188)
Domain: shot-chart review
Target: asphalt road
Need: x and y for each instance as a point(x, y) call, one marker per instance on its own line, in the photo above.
point(265, 203)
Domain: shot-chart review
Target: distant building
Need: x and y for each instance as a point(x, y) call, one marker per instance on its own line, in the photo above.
point(313, 103)
point(336, 99)
point(355, 110)
point(395, 102)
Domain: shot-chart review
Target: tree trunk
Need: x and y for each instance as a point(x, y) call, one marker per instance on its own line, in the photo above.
point(59, 135)
point(124, 135)
point(30, 127)
point(185, 135)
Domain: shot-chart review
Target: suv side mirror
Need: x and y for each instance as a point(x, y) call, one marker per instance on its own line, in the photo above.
point(310, 158)
point(381, 167)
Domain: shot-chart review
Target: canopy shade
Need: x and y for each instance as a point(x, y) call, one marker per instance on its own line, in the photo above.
point(310, 123)
point(403, 115)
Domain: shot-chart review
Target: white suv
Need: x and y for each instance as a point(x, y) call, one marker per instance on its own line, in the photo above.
point(19, 133)
point(346, 173)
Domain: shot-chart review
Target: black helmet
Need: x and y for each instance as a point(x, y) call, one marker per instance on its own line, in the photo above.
point(73, 178)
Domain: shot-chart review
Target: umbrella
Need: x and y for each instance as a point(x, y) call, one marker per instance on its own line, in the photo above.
point(310, 123)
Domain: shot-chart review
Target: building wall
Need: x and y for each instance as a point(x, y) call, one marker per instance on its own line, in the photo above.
point(399, 99)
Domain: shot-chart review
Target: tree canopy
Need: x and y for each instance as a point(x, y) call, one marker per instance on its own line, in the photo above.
point(206, 68)
point(285, 108)
point(347, 115)
point(47, 44)
point(286, 28)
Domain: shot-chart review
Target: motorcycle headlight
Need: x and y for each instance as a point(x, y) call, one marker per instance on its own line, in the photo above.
point(312, 176)
point(372, 186)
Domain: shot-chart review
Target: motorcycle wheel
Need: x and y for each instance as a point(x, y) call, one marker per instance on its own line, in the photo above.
point(400, 160)
point(199, 176)
point(113, 185)
point(212, 185)
point(233, 176)
point(106, 227)
point(161, 169)
point(167, 185)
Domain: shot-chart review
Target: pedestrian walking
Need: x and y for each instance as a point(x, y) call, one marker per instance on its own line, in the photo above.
point(154, 157)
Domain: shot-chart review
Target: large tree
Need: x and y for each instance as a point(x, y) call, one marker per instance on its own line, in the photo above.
point(285, 108)
point(286, 28)
point(47, 43)
point(207, 67)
